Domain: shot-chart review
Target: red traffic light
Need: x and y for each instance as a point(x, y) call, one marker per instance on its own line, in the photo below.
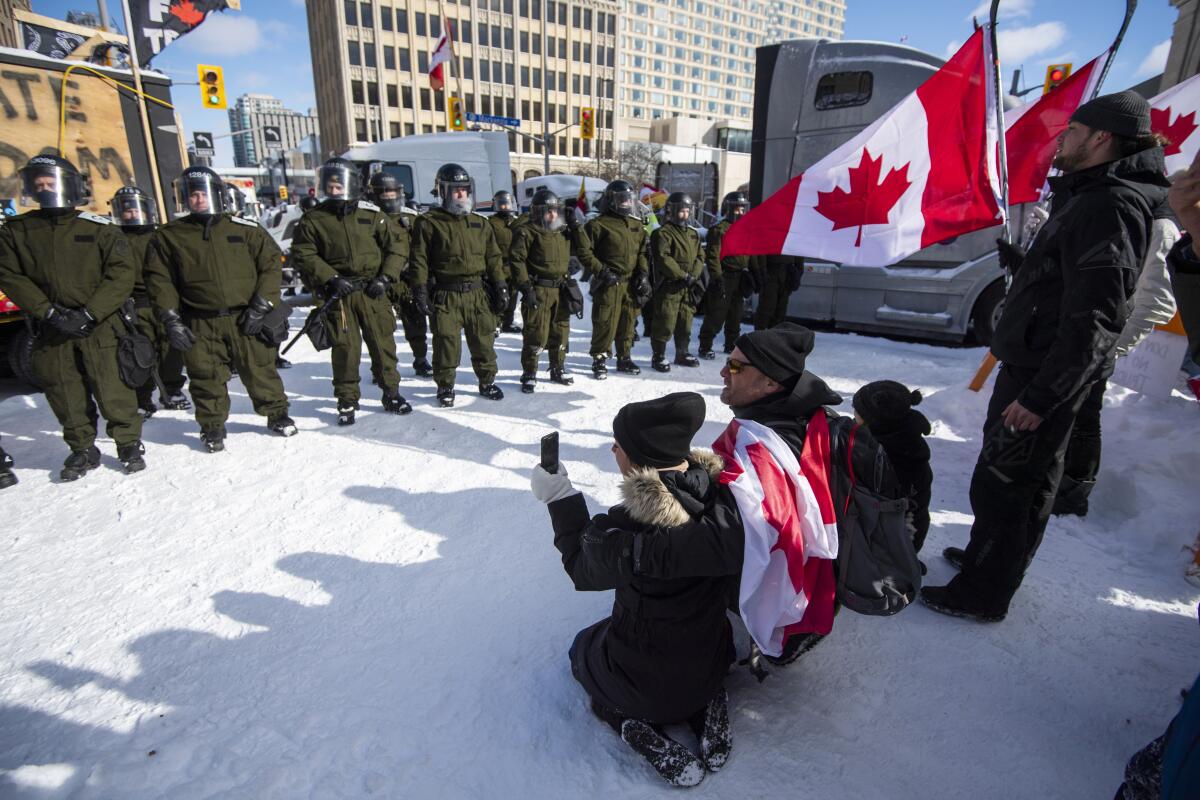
point(1056, 75)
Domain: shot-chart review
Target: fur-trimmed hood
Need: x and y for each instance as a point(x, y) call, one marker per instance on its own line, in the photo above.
point(650, 502)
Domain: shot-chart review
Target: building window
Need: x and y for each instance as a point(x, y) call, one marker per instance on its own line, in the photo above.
point(510, 74)
point(354, 53)
point(537, 44)
point(496, 36)
point(463, 30)
point(508, 39)
point(575, 18)
point(393, 128)
point(420, 20)
point(389, 58)
point(356, 92)
point(385, 22)
point(483, 34)
point(439, 101)
point(360, 130)
point(587, 22)
point(435, 26)
point(510, 106)
point(368, 54)
point(426, 129)
point(843, 90)
point(401, 21)
point(484, 70)
point(524, 76)
point(367, 18)
point(351, 12)
point(485, 103)
point(575, 45)
point(425, 104)
point(524, 39)
point(525, 109)
point(469, 68)
point(537, 78)
point(422, 61)
point(405, 63)
point(537, 112)
point(373, 93)
point(409, 129)
point(393, 95)
point(523, 7)
point(407, 96)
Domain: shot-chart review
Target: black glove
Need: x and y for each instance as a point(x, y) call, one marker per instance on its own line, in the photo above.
point(1011, 256)
point(337, 286)
point(179, 335)
point(251, 320)
point(377, 286)
point(602, 280)
point(694, 291)
point(76, 323)
point(574, 267)
point(749, 283)
point(499, 297)
point(529, 296)
point(420, 298)
point(642, 290)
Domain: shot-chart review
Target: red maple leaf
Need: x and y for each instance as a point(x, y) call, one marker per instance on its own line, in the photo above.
point(1176, 133)
point(187, 13)
point(868, 202)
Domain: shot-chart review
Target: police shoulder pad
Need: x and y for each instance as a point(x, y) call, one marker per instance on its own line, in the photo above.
point(96, 218)
point(367, 206)
point(244, 221)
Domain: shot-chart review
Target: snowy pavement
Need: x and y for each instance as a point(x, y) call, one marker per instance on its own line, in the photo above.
point(378, 611)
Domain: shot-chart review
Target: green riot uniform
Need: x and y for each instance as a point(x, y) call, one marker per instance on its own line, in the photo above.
point(616, 243)
point(170, 360)
point(208, 269)
point(76, 260)
point(357, 244)
point(725, 303)
point(457, 253)
point(416, 328)
point(540, 259)
point(677, 265)
point(505, 228)
point(779, 278)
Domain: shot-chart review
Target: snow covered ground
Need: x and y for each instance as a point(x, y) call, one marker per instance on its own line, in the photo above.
point(378, 611)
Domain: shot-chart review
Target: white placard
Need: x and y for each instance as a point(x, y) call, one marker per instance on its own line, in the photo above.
point(1152, 367)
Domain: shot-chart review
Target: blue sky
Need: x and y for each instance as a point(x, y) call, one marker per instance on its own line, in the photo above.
point(264, 47)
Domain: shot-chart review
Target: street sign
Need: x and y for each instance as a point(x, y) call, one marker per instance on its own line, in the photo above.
point(511, 122)
point(202, 143)
point(272, 136)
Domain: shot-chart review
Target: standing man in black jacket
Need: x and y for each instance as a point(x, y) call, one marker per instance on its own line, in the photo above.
point(1066, 307)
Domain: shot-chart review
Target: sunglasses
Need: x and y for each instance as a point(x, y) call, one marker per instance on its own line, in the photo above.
point(735, 365)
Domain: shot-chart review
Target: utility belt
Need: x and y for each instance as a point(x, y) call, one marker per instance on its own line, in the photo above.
point(462, 287)
point(550, 283)
point(196, 313)
point(674, 285)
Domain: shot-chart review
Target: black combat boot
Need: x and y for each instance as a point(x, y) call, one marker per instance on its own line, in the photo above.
point(1072, 497)
point(659, 363)
point(176, 401)
point(796, 645)
point(686, 359)
point(422, 368)
point(674, 762)
point(146, 407)
point(560, 375)
point(394, 402)
point(599, 371)
point(79, 463)
point(628, 366)
point(131, 456)
point(283, 425)
point(510, 327)
point(7, 476)
point(213, 438)
point(491, 391)
point(528, 382)
point(707, 353)
point(345, 411)
point(711, 727)
point(446, 396)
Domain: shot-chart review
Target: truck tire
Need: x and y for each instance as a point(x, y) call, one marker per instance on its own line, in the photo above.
point(20, 356)
point(986, 313)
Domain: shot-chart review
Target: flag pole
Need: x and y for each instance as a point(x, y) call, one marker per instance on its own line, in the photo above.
point(454, 65)
point(998, 90)
point(143, 112)
point(1130, 7)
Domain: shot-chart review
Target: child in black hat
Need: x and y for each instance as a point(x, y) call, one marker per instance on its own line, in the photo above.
point(886, 408)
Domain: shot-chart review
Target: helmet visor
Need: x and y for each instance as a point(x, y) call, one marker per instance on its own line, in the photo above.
point(339, 182)
point(52, 186)
point(549, 214)
point(199, 193)
point(623, 203)
point(458, 197)
point(133, 209)
point(736, 208)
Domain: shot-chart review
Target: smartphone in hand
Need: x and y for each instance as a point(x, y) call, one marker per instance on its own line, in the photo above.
point(550, 452)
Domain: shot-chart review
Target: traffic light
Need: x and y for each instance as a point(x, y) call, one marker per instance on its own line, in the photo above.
point(454, 113)
point(587, 123)
point(212, 85)
point(1055, 74)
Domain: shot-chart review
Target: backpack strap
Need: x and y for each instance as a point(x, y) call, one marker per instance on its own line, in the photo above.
point(850, 466)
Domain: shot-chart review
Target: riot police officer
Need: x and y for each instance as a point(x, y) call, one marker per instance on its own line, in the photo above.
point(135, 213)
point(72, 270)
point(612, 250)
point(347, 249)
point(731, 280)
point(214, 280)
point(541, 254)
point(504, 222)
point(387, 192)
point(458, 249)
point(680, 281)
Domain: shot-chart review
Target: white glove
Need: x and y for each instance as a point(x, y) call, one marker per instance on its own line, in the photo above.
point(548, 488)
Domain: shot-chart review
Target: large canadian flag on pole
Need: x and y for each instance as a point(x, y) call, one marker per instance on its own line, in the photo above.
point(1173, 114)
point(441, 54)
point(1031, 131)
point(924, 172)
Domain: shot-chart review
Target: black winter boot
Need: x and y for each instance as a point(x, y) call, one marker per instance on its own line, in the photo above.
point(711, 727)
point(422, 367)
point(628, 366)
point(1072, 497)
point(707, 353)
point(345, 411)
point(599, 371)
point(213, 439)
point(659, 363)
point(7, 476)
point(686, 359)
point(394, 403)
point(131, 456)
point(79, 463)
point(176, 401)
point(796, 645)
point(560, 375)
point(528, 382)
point(491, 391)
point(939, 599)
point(283, 425)
point(675, 763)
point(446, 397)
point(956, 556)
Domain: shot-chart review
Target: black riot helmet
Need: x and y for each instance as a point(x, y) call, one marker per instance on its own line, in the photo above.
point(677, 204)
point(546, 210)
point(734, 205)
point(199, 191)
point(338, 179)
point(386, 192)
point(449, 178)
point(53, 182)
point(132, 208)
point(504, 204)
point(307, 203)
point(620, 198)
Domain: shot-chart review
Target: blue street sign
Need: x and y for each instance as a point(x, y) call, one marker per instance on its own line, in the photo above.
point(511, 122)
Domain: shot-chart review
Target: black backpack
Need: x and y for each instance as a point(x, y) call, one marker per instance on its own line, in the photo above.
point(877, 568)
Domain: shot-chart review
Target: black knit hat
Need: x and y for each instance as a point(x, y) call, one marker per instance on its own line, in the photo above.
point(658, 433)
point(779, 352)
point(1125, 113)
point(884, 404)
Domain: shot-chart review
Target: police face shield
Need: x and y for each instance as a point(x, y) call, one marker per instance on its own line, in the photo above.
point(549, 215)
point(679, 214)
point(133, 210)
point(503, 206)
point(199, 193)
point(458, 197)
point(623, 203)
point(235, 202)
point(339, 182)
point(52, 186)
point(736, 210)
point(388, 198)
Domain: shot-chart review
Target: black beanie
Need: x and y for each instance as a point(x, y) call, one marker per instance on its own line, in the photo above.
point(1125, 113)
point(658, 433)
point(778, 352)
point(884, 404)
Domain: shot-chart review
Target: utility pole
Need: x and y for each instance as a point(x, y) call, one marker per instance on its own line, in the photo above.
point(545, 106)
point(143, 112)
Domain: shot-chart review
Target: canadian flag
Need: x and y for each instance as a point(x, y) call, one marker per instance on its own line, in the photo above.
point(924, 172)
point(441, 54)
point(787, 585)
point(1031, 131)
point(1173, 114)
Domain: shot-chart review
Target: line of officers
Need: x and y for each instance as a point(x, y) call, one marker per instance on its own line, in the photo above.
point(205, 289)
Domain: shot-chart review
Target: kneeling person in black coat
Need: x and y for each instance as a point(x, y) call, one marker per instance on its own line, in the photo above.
point(663, 654)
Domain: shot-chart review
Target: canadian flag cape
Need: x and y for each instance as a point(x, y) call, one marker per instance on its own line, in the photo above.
point(922, 173)
point(1173, 114)
point(788, 585)
point(441, 54)
point(1031, 131)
